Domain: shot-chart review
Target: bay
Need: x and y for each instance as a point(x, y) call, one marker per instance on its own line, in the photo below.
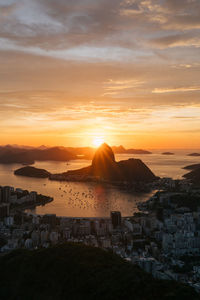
point(74, 199)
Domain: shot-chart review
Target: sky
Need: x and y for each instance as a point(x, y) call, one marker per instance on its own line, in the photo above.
point(121, 71)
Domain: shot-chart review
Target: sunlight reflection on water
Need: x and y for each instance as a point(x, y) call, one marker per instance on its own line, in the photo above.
point(90, 199)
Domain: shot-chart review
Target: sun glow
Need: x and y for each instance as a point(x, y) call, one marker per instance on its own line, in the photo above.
point(97, 141)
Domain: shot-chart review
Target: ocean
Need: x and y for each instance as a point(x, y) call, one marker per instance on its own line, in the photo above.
point(74, 199)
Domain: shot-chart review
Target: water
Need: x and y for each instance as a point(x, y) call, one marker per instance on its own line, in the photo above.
point(90, 199)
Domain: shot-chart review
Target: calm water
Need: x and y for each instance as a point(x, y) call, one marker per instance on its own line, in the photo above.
point(89, 199)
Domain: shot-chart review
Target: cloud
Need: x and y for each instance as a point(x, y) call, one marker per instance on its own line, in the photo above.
point(176, 90)
point(178, 40)
point(6, 10)
point(68, 64)
point(115, 87)
point(56, 27)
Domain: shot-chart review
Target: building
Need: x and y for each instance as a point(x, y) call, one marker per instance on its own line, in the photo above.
point(6, 194)
point(1, 194)
point(49, 219)
point(4, 210)
point(33, 196)
point(115, 218)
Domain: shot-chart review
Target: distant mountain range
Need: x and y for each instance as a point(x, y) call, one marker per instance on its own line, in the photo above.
point(8, 154)
point(122, 150)
point(28, 155)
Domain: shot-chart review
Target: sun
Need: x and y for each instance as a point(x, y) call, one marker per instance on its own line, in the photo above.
point(97, 141)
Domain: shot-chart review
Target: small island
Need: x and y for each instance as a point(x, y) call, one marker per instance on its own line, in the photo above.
point(32, 172)
point(194, 154)
point(167, 153)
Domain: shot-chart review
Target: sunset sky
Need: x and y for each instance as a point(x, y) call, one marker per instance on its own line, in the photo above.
point(125, 72)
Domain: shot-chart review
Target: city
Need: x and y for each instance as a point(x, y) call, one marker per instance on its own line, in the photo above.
point(163, 237)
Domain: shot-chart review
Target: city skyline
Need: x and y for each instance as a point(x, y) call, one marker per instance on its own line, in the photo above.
point(123, 72)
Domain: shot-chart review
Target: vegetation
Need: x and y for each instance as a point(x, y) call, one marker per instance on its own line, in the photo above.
point(79, 272)
point(186, 200)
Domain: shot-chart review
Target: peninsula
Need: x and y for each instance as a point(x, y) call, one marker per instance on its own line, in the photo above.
point(105, 168)
point(192, 167)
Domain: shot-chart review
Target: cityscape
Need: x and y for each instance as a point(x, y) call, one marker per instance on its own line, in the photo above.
point(163, 237)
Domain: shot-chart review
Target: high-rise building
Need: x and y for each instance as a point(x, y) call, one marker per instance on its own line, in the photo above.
point(49, 219)
point(1, 194)
point(6, 194)
point(33, 196)
point(115, 218)
point(4, 210)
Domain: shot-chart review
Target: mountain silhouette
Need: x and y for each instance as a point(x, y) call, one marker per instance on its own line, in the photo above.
point(103, 163)
point(105, 167)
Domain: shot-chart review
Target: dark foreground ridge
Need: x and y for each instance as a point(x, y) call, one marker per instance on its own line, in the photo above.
point(78, 272)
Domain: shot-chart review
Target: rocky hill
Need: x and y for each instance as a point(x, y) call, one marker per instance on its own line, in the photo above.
point(106, 168)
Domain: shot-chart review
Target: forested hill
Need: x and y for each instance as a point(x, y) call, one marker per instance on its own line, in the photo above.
point(79, 272)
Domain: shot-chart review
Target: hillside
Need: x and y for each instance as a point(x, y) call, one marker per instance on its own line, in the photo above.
point(192, 167)
point(78, 272)
point(194, 176)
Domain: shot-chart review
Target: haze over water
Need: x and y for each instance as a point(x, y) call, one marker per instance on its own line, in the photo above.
point(90, 199)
